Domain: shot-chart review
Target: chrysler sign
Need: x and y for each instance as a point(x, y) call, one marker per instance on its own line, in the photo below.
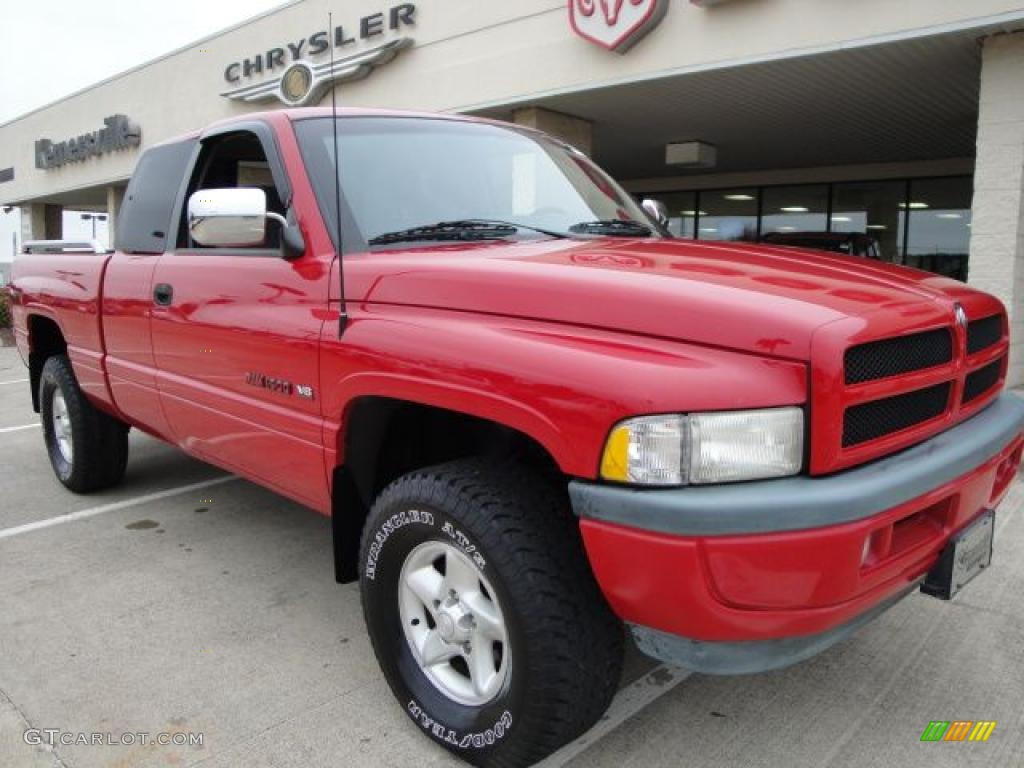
point(616, 24)
point(295, 72)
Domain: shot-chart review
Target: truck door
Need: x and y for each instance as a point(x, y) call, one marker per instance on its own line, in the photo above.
point(143, 232)
point(236, 333)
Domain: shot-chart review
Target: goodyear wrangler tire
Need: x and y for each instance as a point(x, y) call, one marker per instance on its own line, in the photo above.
point(88, 449)
point(484, 614)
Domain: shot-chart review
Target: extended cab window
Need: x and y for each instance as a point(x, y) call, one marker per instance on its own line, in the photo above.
point(235, 160)
point(145, 217)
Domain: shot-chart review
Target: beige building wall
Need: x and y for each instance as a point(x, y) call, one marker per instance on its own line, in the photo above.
point(468, 55)
point(471, 55)
point(997, 231)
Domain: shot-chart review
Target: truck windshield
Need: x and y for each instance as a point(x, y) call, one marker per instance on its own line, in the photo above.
point(401, 177)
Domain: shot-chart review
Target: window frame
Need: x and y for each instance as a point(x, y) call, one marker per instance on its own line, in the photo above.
point(267, 139)
point(188, 145)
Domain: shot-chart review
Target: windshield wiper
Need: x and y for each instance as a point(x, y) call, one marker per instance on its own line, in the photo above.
point(466, 229)
point(517, 225)
point(612, 228)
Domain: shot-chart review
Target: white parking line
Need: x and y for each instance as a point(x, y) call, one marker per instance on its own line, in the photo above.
point(4, 430)
point(14, 381)
point(117, 505)
point(627, 703)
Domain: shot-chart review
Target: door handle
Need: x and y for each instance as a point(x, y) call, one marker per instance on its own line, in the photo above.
point(163, 295)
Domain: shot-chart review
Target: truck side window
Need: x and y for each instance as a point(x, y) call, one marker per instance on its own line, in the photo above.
point(144, 222)
point(235, 160)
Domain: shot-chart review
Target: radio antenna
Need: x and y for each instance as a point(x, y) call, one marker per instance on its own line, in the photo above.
point(343, 316)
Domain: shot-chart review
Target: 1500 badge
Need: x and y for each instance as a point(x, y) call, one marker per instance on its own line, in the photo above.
point(278, 386)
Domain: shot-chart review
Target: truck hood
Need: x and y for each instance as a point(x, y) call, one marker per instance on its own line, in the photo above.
point(762, 299)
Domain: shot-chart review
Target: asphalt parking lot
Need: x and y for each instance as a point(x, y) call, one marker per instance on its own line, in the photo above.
point(171, 605)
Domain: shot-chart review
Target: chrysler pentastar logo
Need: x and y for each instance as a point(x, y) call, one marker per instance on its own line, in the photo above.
point(616, 24)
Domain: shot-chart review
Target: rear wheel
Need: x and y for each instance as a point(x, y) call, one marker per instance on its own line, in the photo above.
point(483, 612)
point(88, 449)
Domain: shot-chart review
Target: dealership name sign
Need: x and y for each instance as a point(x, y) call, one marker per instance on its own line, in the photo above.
point(291, 74)
point(118, 133)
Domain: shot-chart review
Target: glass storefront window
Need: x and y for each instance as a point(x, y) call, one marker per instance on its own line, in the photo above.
point(873, 209)
point(923, 223)
point(939, 212)
point(801, 208)
point(728, 214)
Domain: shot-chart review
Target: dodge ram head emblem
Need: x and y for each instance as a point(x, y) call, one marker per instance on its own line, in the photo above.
point(616, 24)
point(961, 316)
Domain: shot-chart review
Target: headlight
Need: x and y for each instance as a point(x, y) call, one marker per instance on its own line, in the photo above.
point(705, 448)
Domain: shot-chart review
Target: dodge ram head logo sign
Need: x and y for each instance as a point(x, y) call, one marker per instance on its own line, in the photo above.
point(616, 24)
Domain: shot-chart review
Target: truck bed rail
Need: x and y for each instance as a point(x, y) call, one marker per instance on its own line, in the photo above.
point(63, 246)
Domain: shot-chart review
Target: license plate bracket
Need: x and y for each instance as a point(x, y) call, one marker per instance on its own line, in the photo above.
point(966, 555)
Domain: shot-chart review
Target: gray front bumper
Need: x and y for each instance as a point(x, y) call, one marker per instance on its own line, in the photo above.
point(750, 657)
point(798, 503)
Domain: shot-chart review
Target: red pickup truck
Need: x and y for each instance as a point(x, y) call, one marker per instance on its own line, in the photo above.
point(536, 421)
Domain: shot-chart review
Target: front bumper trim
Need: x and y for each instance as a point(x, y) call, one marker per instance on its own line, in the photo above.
point(751, 656)
point(801, 503)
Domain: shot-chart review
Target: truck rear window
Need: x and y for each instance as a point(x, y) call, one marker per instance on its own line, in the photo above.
point(144, 222)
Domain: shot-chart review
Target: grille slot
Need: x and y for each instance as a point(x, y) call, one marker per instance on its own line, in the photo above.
point(903, 354)
point(984, 333)
point(870, 421)
point(981, 381)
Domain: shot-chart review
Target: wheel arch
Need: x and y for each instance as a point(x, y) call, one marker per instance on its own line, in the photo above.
point(384, 437)
point(45, 339)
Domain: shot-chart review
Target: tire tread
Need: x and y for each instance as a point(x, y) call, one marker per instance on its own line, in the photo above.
point(101, 441)
point(526, 528)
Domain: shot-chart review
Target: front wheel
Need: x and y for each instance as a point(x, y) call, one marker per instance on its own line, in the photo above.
point(88, 449)
point(484, 615)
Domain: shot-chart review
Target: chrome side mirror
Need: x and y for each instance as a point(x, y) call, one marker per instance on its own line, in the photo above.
point(232, 218)
point(657, 210)
point(237, 218)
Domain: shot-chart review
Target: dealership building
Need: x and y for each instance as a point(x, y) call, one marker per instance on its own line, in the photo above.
point(896, 125)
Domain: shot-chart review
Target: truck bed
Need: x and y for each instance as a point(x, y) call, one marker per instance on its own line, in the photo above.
point(66, 288)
